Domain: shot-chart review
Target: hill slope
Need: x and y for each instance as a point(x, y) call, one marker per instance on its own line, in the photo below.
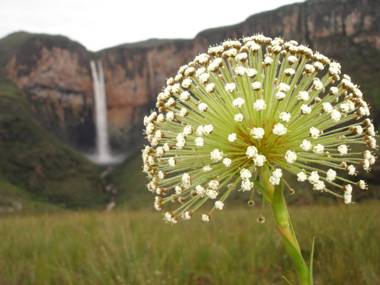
point(35, 161)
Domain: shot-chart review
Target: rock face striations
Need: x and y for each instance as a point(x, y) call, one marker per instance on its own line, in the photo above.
point(54, 72)
point(134, 75)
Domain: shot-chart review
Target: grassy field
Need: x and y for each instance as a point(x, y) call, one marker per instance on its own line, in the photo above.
point(136, 247)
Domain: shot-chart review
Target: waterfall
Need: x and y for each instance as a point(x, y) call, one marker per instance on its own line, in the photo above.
point(103, 154)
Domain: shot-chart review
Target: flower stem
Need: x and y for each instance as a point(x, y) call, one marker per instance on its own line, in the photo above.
point(285, 228)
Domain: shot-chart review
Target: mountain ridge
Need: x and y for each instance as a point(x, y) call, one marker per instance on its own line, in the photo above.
point(56, 76)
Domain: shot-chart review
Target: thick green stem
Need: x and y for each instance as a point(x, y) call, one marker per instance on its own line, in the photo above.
point(284, 226)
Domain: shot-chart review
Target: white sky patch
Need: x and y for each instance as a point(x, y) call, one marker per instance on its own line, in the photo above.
point(99, 24)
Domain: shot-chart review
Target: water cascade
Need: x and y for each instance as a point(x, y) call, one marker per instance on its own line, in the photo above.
point(103, 154)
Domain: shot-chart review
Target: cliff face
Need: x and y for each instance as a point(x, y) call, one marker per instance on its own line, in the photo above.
point(57, 75)
point(134, 76)
point(54, 73)
point(323, 24)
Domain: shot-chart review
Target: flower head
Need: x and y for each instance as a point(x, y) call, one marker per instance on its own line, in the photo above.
point(247, 112)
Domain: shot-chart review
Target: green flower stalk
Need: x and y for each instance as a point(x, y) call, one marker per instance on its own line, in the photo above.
point(246, 116)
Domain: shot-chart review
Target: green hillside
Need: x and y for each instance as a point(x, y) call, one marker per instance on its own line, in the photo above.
point(130, 182)
point(13, 199)
point(33, 160)
point(10, 43)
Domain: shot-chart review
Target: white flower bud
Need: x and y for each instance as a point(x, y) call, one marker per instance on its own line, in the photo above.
point(279, 129)
point(303, 96)
point(219, 205)
point(216, 155)
point(238, 117)
point(251, 72)
point(251, 151)
point(238, 102)
point(327, 107)
point(186, 83)
point(206, 168)
point(285, 116)
point(213, 184)
point(335, 115)
point(210, 87)
point(227, 162)
point(246, 185)
point(313, 177)
point(200, 190)
point(199, 141)
point(283, 87)
point(205, 218)
point(240, 70)
point(347, 194)
point(301, 176)
point(351, 170)
point(257, 133)
point(330, 175)
point(232, 137)
point(202, 107)
point(306, 145)
point(280, 95)
point(259, 160)
point(171, 161)
point(305, 109)
point(342, 149)
point(245, 173)
point(290, 156)
point(318, 149)
point(211, 194)
point(185, 95)
point(256, 85)
point(230, 87)
point(314, 132)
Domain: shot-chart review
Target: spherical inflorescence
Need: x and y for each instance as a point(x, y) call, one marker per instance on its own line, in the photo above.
point(250, 107)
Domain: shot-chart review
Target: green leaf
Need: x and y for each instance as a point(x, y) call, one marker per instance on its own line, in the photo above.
point(311, 261)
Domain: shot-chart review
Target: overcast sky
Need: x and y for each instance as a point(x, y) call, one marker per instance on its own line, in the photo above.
point(103, 23)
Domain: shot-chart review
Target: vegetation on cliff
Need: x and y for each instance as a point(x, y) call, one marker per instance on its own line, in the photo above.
point(33, 160)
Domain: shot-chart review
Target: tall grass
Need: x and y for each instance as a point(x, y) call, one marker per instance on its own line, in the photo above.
point(138, 248)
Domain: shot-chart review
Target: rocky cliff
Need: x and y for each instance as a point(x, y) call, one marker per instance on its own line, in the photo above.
point(134, 75)
point(54, 71)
